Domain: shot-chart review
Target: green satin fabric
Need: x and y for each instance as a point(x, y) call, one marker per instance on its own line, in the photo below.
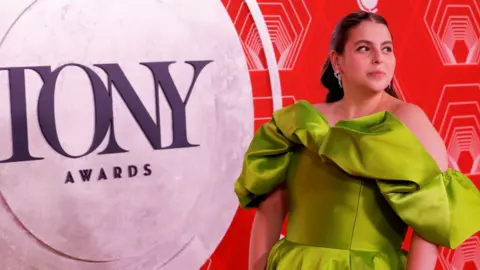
point(353, 190)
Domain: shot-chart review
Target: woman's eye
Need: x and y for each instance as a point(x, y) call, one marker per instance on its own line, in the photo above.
point(388, 49)
point(362, 49)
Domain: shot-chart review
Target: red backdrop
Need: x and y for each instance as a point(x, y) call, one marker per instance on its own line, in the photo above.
point(437, 47)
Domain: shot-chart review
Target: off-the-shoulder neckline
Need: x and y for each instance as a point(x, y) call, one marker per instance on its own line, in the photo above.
point(345, 121)
point(312, 108)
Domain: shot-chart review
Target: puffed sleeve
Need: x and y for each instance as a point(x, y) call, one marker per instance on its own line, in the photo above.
point(444, 210)
point(264, 166)
point(268, 157)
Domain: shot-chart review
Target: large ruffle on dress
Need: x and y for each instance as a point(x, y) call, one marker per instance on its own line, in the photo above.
point(354, 189)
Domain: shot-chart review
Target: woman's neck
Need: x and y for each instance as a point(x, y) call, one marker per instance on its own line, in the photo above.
point(354, 106)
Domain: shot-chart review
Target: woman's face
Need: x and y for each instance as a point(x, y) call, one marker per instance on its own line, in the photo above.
point(368, 61)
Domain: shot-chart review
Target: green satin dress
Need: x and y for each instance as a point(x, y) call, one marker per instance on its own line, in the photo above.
point(354, 189)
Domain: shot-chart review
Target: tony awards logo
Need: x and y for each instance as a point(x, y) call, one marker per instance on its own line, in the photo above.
point(122, 127)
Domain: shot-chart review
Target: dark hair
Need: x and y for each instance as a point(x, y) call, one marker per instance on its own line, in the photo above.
point(337, 44)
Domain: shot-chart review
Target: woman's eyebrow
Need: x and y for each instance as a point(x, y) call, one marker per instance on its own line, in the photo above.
point(369, 42)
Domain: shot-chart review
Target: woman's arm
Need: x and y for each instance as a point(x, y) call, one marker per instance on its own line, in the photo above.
point(267, 227)
point(423, 254)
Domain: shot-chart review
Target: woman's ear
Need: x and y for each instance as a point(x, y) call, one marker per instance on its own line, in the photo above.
point(334, 59)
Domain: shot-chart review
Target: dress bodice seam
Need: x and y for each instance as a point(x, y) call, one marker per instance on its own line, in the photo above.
point(356, 213)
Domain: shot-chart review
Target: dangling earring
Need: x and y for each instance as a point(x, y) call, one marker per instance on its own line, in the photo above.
point(337, 75)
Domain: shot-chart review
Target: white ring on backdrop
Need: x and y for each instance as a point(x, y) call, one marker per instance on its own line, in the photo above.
point(269, 53)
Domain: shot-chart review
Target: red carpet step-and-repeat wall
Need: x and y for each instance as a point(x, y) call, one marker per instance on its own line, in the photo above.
point(123, 123)
point(437, 45)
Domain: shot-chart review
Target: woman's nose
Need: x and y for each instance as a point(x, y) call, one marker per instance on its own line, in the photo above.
point(377, 57)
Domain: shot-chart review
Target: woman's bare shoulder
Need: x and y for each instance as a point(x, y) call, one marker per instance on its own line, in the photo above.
point(410, 114)
point(418, 122)
point(323, 107)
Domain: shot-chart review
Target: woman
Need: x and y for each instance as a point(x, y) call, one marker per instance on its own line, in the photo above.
point(355, 172)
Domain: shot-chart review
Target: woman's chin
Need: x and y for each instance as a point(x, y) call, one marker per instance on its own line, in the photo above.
point(378, 87)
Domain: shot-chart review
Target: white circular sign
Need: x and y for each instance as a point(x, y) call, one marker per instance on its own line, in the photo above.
point(368, 5)
point(122, 129)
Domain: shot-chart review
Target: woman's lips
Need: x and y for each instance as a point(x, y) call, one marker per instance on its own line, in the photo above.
point(376, 74)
